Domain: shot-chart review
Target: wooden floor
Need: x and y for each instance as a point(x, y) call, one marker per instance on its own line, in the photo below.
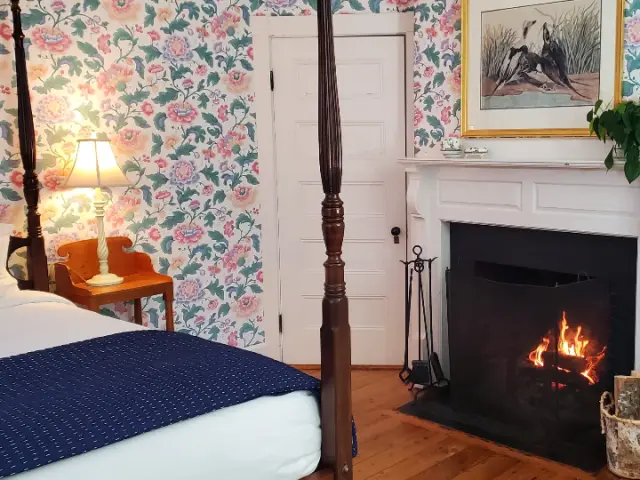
point(394, 446)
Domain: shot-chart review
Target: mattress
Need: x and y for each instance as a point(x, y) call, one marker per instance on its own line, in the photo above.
point(270, 438)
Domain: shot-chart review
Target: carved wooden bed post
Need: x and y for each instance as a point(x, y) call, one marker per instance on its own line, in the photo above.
point(37, 260)
point(335, 335)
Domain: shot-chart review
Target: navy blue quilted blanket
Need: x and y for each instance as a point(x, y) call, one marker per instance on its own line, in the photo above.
point(68, 400)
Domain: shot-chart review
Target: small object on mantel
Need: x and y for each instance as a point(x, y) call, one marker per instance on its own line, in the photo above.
point(627, 396)
point(475, 152)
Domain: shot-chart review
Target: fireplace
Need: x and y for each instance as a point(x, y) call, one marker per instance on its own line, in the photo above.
point(539, 322)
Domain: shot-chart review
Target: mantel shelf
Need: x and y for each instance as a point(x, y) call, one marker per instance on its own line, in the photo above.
point(502, 163)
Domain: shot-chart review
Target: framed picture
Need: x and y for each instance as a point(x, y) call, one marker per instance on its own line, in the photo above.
point(534, 68)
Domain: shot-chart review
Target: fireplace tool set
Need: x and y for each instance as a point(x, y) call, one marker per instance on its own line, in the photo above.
point(426, 373)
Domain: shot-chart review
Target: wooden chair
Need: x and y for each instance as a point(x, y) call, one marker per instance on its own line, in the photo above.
point(140, 279)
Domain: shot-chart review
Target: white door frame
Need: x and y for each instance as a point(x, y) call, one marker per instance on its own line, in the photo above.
point(264, 29)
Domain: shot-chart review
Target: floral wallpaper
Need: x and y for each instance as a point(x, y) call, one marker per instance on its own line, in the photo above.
point(170, 83)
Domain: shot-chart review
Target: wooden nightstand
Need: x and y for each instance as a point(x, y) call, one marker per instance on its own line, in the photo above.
point(140, 279)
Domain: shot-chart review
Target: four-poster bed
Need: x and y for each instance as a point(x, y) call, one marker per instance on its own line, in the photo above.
point(335, 404)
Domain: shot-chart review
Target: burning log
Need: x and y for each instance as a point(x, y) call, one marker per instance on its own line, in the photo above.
point(626, 394)
point(565, 363)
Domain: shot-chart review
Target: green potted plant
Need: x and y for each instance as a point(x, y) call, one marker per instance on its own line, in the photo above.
point(620, 124)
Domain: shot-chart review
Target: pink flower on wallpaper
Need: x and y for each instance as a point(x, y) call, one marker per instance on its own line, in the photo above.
point(250, 52)
point(401, 4)
point(103, 43)
point(417, 116)
point(231, 143)
point(445, 115)
point(225, 24)
point(223, 110)
point(235, 257)
point(115, 76)
point(147, 108)
point(53, 109)
point(200, 320)
point(260, 276)
point(201, 70)
point(632, 30)
point(53, 178)
point(6, 31)
point(189, 290)
point(454, 80)
point(232, 339)
point(177, 49)
point(207, 190)
point(213, 305)
point(161, 163)
point(50, 39)
point(188, 234)
point(428, 72)
point(154, 234)
point(163, 195)
point(431, 32)
point(130, 141)
point(183, 172)
point(7, 212)
point(246, 306)
point(229, 228)
point(255, 166)
point(182, 112)
point(122, 210)
point(86, 90)
point(194, 204)
point(123, 10)
point(236, 81)
point(17, 178)
point(155, 36)
point(243, 195)
point(155, 68)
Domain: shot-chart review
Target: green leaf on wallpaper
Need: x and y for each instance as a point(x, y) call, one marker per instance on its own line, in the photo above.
point(224, 310)
point(182, 150)
point(56, 135)
point(219, 197)
point(243, 218)
point(154, 317)
point(432, 55)
point(10, 194)
point(191, 268)
point(174, 219)
point(157, 144)
point(627, 89)
point(246, 64)
point(192, 311)
point(438, 79)
point(217, 237)
point(157, 179)
point(131, 166)
point(251, 269)
point(75, 65)
point(422, 10)
point(203, 101)
point(186, 195)
point(121, 35)
point(255, 241)
point(237, 104)
point(214, 331)
point(211, 174)
point(205, 54)
point(177, 25)
point(356, 5)
point(6, 131)
point(179, 72)
point(89, 113)
point(209, 219)
point(47, 160)
point(12, 111)
point(246, 14)
point(240, 42)
point(213, 79)
point(150, 15)
point(255, 4)
point(251, 179)
point(167, 245)
point(146, 224)
point(374, 6)
point(56, 82)
point(150, 52)
point(251, 130)
point(197, 132)
point(6, 166)
point(166, 96)
point(148, 248)
point(94, 65)
point(159, 121)
point(65, 221)
point(79, 27)
point(141, 122)
point(211, 119)
point(147, 196)
point(204, 251)
point(89, 50)
point(138, 96)
point(428, 103)
point(164, 265)
point(32, 18)
point(438, 7)
point(423, 137)
point(435, 122)
point(247, 159)
point(139, 66)
point(247, 327)
point(216, 289)
point(192, 8)
point(456, 107)
point(91, 4)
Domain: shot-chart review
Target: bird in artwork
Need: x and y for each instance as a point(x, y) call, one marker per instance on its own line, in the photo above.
point(526, 27)
point(517, 66)
point(554, 61)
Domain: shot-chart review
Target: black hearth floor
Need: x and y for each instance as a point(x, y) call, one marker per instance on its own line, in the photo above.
point(590, 458)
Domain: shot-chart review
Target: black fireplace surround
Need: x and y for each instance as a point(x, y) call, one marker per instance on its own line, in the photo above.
point(539, 322)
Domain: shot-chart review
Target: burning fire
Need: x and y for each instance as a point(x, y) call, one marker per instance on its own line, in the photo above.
point(571, 343)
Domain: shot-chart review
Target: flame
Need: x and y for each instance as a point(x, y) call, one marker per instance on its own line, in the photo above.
point(571, 343)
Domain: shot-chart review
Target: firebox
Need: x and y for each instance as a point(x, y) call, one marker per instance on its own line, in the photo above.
point(539, 322)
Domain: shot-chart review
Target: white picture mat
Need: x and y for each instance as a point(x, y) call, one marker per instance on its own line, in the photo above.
point(542, 118)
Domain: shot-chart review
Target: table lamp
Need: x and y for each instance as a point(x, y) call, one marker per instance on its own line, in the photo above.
point(96, 167)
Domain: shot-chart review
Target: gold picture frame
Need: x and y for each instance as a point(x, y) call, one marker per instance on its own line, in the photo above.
point(468, 132)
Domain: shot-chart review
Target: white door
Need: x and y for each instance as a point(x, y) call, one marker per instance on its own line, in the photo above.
point(371, 83)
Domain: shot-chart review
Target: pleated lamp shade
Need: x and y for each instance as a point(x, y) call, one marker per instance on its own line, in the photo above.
point(95, 166)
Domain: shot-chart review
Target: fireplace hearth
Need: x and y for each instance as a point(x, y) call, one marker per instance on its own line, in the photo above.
point(539, 323)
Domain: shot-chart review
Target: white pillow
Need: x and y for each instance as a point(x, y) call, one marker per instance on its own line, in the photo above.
point(6, 280)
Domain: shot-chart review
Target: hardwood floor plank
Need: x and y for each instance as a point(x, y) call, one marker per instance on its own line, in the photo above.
point(488, 469)
point(455, 464)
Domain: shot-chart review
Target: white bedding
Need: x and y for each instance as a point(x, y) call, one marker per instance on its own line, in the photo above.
point(270, 438)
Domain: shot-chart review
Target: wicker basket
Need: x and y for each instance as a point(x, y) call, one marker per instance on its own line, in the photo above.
point(623, 440)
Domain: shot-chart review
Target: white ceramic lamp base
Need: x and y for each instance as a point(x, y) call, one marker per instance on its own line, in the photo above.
point(104, 280)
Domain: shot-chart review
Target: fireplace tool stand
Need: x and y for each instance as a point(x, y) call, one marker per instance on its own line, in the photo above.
point(425, 373)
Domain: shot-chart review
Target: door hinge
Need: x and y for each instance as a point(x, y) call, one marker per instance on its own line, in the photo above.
point(280, 322)
point(271, 81)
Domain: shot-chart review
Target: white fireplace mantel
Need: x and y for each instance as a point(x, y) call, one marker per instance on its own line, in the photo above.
point(547, 194)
